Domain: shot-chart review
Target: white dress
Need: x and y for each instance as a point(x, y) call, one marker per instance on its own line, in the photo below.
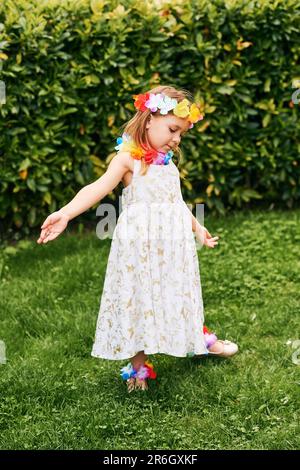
point(152, 297)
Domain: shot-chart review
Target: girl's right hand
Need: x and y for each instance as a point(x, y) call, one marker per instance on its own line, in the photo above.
point(205, 238)
point(53, 226)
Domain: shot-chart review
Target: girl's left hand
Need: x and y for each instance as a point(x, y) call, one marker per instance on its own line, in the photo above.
point(205, 238)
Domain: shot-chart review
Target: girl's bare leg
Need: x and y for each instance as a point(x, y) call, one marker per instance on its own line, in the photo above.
point(138, 360)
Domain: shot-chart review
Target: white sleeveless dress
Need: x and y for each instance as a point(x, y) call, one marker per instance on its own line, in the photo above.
point(152, 297)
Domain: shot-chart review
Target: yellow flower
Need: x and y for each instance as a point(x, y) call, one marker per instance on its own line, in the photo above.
point(149, 364)
point(129, 147)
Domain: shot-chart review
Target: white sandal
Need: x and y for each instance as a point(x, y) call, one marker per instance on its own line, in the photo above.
point(229, 349)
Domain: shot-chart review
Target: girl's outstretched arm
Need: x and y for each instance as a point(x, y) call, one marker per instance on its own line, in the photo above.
point(87, 197)
point(201, 232)
point(195, 223)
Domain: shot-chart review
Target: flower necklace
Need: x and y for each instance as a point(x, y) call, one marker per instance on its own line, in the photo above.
point(151, 156)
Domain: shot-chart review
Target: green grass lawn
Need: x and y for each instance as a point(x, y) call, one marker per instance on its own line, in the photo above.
point(54, 395)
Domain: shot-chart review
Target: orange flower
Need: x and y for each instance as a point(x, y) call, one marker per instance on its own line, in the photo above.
point(137, 153)
point(195, 114)
point(23, 174)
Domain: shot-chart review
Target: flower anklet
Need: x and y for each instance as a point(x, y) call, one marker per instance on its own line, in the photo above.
point(137, 379)
point(210, 338)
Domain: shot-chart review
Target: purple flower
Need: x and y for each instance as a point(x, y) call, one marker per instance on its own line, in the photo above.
point(142, 373)
point(210, 339)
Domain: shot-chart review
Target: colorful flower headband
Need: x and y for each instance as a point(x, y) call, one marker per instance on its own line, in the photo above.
point(182, 109)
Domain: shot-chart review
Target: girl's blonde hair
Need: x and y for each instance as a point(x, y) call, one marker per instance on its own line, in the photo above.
point(136, 127)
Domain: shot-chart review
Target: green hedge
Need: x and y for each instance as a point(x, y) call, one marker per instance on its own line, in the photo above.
point(71, 68)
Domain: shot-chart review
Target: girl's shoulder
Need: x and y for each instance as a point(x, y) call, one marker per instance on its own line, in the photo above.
point(125, 159)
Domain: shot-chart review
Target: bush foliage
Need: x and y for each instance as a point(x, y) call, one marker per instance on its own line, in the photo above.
point(71, 67)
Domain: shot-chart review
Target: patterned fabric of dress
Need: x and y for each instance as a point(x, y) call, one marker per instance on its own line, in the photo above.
point(152, 297)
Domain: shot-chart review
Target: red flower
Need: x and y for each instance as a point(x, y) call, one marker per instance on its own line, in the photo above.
point(152, 373)
point(150, 155)
point(205, 330)
point(140, 101)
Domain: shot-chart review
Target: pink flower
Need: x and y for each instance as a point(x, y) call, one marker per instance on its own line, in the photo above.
point(143, 373)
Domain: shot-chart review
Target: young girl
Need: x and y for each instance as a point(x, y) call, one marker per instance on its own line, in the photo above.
point(152, 299)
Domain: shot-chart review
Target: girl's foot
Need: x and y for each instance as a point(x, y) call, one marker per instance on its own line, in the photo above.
point(217, 346)
point(130, 384)
point(141, 384)
point(223, 348)
point(137, 379)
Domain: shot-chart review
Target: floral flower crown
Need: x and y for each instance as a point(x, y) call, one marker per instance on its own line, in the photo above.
point(155, 101)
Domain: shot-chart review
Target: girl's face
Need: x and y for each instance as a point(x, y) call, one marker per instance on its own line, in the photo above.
point(164, 132)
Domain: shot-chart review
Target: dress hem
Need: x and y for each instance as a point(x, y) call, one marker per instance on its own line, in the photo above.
point(148, 353)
